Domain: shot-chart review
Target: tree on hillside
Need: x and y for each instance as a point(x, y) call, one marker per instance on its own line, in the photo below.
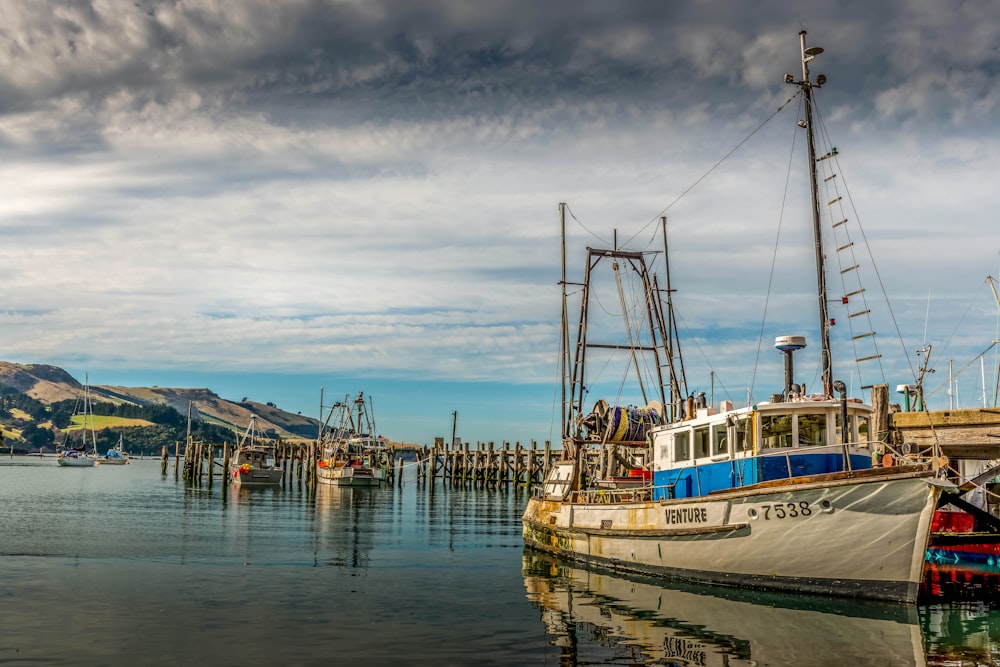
point(34, 407)
point(37, 437)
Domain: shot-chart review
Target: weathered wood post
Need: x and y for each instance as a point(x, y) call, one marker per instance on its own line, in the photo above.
point(464, 453)
point(477, 464)
point(502, 464)
point(200, 461)
point(312, 463)
point(211, 465)
point(186, 462)
point(164, 459)
point(880, 414)
point(488, 476)
point(517, 463)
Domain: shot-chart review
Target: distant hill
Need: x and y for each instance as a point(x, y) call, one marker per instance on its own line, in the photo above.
point(49, 384)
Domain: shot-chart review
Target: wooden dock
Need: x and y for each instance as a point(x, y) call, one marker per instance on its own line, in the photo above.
point(970, 433)
point(482, 465)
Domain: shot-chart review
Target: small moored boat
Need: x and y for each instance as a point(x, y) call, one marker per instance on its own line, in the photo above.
point(71, 458)
point(116, 455)
point(255, 462)
point(352, 453)
point(78, 456)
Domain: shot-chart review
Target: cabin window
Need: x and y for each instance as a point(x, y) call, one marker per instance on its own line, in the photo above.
point(741, 440)
point(864, 429)
point(682, 446)
point(812, 430)
point(701, 443)
point(776, 431)
point(719, 443)
point(857, 430)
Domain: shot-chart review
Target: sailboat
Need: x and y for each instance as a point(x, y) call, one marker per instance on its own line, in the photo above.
point(779, 495)
point(255, 461)
point(353, 453)
point(78, 457)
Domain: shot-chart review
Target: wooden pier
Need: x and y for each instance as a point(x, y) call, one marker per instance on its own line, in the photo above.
point(482, 465)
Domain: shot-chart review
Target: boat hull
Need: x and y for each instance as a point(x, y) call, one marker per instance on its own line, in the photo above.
point(257, 477)
point(75, 460)
point(70, 462)
point(851, 535)
point(348, 476)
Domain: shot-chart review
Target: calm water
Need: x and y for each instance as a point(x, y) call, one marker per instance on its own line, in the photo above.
point(121, 566)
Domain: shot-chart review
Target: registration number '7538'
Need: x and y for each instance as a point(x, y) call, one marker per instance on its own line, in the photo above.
point(786, 510)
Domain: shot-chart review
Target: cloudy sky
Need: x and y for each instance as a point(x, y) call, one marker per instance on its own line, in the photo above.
point(266, 198)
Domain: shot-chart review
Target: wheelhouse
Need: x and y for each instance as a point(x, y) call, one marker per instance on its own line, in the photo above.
point(728, 448)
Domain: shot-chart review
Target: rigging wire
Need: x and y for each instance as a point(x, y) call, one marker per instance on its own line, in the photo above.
point(626, 316)
point(871, 258)
point(958, 326)
point(712, 168)
point(584, 227)
point(774, 261)
point(832, 184)
point(964, 368)
point(642, 296)
point(693, 340)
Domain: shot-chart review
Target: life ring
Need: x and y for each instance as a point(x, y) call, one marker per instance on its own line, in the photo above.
point(888, 461)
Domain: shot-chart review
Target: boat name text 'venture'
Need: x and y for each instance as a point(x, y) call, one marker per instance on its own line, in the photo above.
point(687, 515)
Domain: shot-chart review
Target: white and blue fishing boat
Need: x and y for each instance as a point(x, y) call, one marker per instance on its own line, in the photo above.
point(788, 494)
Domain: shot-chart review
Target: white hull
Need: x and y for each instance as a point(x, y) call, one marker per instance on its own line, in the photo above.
point(348, 476)
point(852, 535)
point(73, 462)
point(113, 462)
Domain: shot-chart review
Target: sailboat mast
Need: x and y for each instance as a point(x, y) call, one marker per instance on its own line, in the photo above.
point(564, 332)
point(824, 318)
point(88, 413)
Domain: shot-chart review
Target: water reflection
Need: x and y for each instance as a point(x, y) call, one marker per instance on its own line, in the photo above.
point(596, 617)
point(342, 532)
point(960, 614)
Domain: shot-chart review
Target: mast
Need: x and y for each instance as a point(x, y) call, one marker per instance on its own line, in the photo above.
point(678, 382)
point(319, 434)
point(564, 333)
point(88, 413)
point(824, 319)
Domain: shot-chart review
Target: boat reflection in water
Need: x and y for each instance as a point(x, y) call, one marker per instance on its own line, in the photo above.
point(960, 614)
point(596, 617)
